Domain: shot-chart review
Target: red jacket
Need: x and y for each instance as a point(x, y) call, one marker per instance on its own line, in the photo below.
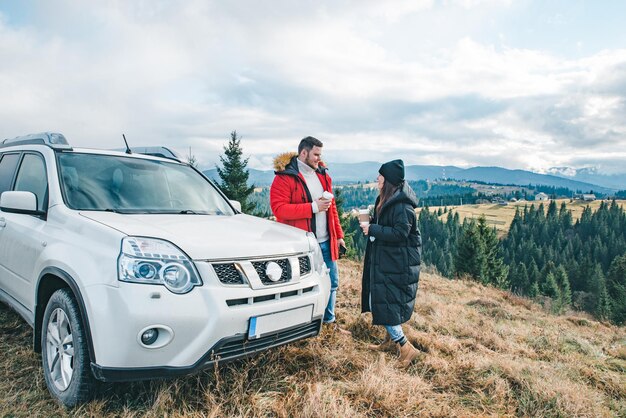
point(290, 199)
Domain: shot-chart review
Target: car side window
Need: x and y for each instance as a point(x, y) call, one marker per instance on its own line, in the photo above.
point(8, 162)
point(31, 177)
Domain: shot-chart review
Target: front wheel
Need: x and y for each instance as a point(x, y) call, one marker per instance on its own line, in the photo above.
point(64, 352)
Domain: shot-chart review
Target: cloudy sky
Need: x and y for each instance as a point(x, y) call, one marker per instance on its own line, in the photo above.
point(519, 84)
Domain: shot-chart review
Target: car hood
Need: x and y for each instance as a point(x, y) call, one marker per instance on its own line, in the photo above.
point(210, 237)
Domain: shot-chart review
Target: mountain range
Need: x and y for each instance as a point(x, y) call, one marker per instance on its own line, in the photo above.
point(582, 181)
point(591, 175)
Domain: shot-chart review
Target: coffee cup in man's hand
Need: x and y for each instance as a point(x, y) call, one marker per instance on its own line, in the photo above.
point(323, 204)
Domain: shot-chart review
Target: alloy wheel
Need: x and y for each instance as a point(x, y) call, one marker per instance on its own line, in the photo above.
point(60, 349)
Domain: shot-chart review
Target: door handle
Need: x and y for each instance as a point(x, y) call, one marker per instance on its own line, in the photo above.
point(3, 223)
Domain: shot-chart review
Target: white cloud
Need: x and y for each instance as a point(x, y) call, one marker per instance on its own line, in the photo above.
point(374, 80)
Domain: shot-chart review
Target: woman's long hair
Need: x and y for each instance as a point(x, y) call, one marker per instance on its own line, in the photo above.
point(385, 194)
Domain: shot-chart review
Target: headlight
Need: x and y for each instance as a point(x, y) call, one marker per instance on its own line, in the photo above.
point(154, 261)
point(318, 258)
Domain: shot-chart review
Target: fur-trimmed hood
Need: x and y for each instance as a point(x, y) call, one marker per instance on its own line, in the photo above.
point(281, 161)
point(286, 162)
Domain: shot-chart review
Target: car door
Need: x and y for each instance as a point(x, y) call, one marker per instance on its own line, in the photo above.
point(8, 164)
point(22, 242)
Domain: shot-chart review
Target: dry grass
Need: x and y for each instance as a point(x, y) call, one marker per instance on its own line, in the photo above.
point(501, 217)
point(487, 353)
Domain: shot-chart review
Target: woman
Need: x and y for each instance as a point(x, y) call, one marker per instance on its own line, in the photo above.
point(392, 260)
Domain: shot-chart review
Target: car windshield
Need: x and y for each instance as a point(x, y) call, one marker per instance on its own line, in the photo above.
point(134, 185)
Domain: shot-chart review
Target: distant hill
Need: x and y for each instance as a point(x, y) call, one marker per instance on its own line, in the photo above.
point(591, 175)
point(367, 171)
point(522, 177)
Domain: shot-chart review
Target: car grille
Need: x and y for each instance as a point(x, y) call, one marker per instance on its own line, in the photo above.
point(240, 346)
point(284, 264)
point(242, 272)
point(305, 265)
point(228, 273)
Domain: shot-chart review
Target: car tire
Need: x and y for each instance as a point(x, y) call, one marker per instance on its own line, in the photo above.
point(64, 352)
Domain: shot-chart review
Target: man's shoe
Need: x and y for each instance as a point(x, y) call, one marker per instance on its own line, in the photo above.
point(387, 345)
point(408, 354)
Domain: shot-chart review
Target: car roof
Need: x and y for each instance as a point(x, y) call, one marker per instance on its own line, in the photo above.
point(59, 143)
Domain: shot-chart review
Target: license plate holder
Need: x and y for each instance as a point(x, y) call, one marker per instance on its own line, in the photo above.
point(277, 321)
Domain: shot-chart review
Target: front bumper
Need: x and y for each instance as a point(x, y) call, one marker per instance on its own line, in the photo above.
point(226, 350)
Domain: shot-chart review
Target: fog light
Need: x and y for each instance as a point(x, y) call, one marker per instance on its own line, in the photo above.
point(150, 336)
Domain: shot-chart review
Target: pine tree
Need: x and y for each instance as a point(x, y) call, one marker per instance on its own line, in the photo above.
point(585, 223)
point(533, 279)
point(550, 288)
point(234, 174)
point(604, 308)
point(565, 291)
point(616, 288)
point(597, 289)
point(533, 291)
point(565, 217)
point(552, 211)
point(581, 278)
point(470, 258)
point(519, 279)
point(495, 272)
point(548, 268)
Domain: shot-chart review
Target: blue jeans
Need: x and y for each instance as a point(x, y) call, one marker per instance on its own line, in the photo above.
point(395, 332)
point(329, 314)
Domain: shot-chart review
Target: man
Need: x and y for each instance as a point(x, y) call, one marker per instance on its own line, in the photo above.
point(296, 200)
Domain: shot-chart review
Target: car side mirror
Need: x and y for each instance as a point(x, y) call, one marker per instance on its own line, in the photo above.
point(236, 205)
point(19, 202)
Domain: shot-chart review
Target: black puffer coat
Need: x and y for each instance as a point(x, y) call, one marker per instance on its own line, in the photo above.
point(392, 261)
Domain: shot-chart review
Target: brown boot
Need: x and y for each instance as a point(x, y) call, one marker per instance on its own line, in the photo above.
point(408, 354)
point(387, 345)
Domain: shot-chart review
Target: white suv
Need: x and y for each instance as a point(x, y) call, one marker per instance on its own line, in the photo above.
point(131, 267)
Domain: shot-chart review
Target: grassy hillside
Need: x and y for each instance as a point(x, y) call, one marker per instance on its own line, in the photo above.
point(487, 353)
point(501, 216)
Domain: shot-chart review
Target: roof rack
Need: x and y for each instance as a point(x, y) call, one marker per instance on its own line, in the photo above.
point(162, 152)
point(51, 139)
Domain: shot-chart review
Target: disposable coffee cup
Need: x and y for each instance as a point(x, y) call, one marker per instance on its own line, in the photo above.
point(327, 195)
point(364, 217)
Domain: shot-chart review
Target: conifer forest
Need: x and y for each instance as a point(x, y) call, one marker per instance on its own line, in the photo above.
point(545, 255)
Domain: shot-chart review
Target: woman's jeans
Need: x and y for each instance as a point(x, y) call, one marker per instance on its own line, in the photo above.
point(329, 314)
point(395, 332)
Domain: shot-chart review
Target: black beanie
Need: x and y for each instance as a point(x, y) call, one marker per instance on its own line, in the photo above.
point(393, 172)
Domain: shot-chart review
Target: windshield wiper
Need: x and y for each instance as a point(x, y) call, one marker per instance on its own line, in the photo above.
point(174, 212)
point(113, 210)
point(155, 211)
point(124, 212)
